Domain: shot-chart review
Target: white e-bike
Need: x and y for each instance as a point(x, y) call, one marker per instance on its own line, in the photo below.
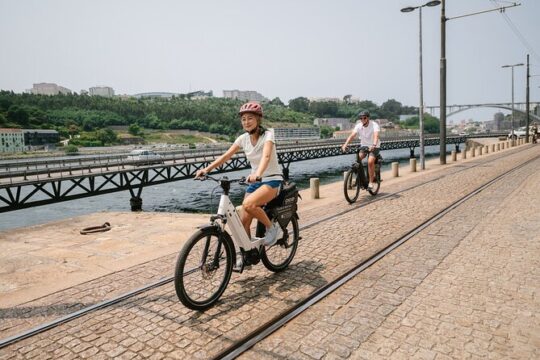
point(207, 260)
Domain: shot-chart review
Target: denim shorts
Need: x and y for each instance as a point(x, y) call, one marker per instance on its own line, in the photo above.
point(274, 184)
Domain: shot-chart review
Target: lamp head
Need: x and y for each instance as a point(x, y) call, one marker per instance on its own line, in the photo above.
point(408, 9)
point(433, 3)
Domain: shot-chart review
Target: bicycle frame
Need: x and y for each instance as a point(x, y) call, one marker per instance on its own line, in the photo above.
point(239, 236)
point(362, 174)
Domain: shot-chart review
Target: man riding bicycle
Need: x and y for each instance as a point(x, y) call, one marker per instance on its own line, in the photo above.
point(368, 134)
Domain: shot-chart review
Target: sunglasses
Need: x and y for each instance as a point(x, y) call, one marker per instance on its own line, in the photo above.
point(363, 117)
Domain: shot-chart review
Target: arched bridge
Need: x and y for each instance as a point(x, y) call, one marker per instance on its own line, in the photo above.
point(518, 107)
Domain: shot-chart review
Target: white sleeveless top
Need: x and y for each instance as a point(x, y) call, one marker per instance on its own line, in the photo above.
point(254, 154)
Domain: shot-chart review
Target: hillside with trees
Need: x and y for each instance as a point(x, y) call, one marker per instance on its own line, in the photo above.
point(92, 116)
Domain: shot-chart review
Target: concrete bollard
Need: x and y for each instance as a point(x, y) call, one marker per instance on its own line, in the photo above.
point(492, 148)
point(502, 145)
point(498, 147)
point(464, 154)
point(473, 152)
point(413, 164)
point(454, 155)
point(480, 148)
point(314, 186)
point(395, 169)
point(486, 148)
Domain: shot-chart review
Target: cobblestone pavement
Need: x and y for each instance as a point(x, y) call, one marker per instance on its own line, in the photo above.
point(156, 325)
point(466, 287)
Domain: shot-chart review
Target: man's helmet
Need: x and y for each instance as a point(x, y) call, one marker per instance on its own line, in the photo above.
point(363, 113)
point(251, 107)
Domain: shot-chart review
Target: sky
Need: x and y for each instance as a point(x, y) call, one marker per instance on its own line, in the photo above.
point(280, 48)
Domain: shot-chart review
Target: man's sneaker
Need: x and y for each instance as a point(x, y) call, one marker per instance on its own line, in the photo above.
point(271, 235)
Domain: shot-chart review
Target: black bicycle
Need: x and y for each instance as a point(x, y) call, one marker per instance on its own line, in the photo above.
point(357, 178)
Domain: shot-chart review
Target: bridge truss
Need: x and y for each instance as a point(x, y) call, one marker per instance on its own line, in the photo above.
point(22, 193)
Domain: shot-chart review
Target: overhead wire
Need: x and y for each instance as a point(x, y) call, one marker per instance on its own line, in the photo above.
point(516, 31)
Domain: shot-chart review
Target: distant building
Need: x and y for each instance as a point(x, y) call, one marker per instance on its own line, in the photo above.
point(104, 91)
point(291, 134)
point(247, 95)
point(39, 137)
point(84, 92)
point(49, 89)
point(11, 140)
point(340, 123)
point(325, 99)
point(199, 95)
point(341, 134)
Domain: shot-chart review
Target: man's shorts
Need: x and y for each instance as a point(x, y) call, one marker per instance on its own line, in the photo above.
point(374, 153)
point(274, 184)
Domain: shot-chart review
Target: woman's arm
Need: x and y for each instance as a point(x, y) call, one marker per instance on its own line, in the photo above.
point(220, 160)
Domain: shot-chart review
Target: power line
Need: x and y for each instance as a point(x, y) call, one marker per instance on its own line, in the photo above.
point(516, 31)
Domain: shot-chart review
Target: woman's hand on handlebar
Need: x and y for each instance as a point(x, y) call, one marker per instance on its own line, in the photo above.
point(200, 174)
point(253, 178)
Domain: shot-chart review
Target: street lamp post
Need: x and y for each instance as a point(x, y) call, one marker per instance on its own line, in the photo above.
point(512, 117)
point(421, 81)
point(442, 104)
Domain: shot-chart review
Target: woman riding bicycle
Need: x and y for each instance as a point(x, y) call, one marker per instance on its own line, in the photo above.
point(259, 146)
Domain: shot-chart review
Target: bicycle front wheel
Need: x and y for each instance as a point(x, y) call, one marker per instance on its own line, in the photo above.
point(203, 268)
point(351, 186)
point(375, 189)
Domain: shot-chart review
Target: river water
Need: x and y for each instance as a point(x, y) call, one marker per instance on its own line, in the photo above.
point(193, 196)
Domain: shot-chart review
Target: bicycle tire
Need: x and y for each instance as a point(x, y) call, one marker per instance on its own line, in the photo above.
point(200, 273)
point(351, 190)
point(374, 191)
point(286, 246)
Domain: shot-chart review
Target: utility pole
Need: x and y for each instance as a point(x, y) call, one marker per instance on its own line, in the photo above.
point(527, 105)
point(442, 85)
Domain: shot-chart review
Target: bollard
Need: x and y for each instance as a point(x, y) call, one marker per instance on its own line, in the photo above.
point(454, 155)
point(480, 148)
point(487, 149)
point(492, 148)
point(498, 147)
point(464, 154)
point(413, 164)
point(314, 186)
point(473, 151)
point(395, 169)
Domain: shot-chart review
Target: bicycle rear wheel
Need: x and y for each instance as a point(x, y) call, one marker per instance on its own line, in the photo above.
point(278, 256)
point(203, 268)
point(351, 186)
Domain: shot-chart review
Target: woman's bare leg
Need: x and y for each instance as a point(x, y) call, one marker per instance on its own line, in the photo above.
point(252, 206)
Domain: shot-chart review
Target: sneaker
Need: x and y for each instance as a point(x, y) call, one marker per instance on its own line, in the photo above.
point(372, 186)
point(271, 235)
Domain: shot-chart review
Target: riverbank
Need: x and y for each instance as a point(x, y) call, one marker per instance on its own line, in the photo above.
point(41, 259)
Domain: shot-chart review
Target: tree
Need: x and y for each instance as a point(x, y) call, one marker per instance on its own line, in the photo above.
point(18, 115)
point(326, 131)
point(391, 109)
point(106, 136)
point(134, 129)
point(347, 99)
point(277, 101)
point(300, 104)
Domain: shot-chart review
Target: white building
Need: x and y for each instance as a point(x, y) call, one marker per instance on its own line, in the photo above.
point(247, 95)
point(291, 134)
point(104, 91)
point(49, 89)
point(341, 123)
point(11, 140)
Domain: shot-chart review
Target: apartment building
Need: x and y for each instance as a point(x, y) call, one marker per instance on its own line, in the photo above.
point(49, 89)
point(247, 95)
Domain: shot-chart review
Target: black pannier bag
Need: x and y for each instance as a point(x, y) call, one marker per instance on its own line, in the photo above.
point(284, 206)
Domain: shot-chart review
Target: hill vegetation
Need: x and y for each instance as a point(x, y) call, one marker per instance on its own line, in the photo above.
point(92, 117)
